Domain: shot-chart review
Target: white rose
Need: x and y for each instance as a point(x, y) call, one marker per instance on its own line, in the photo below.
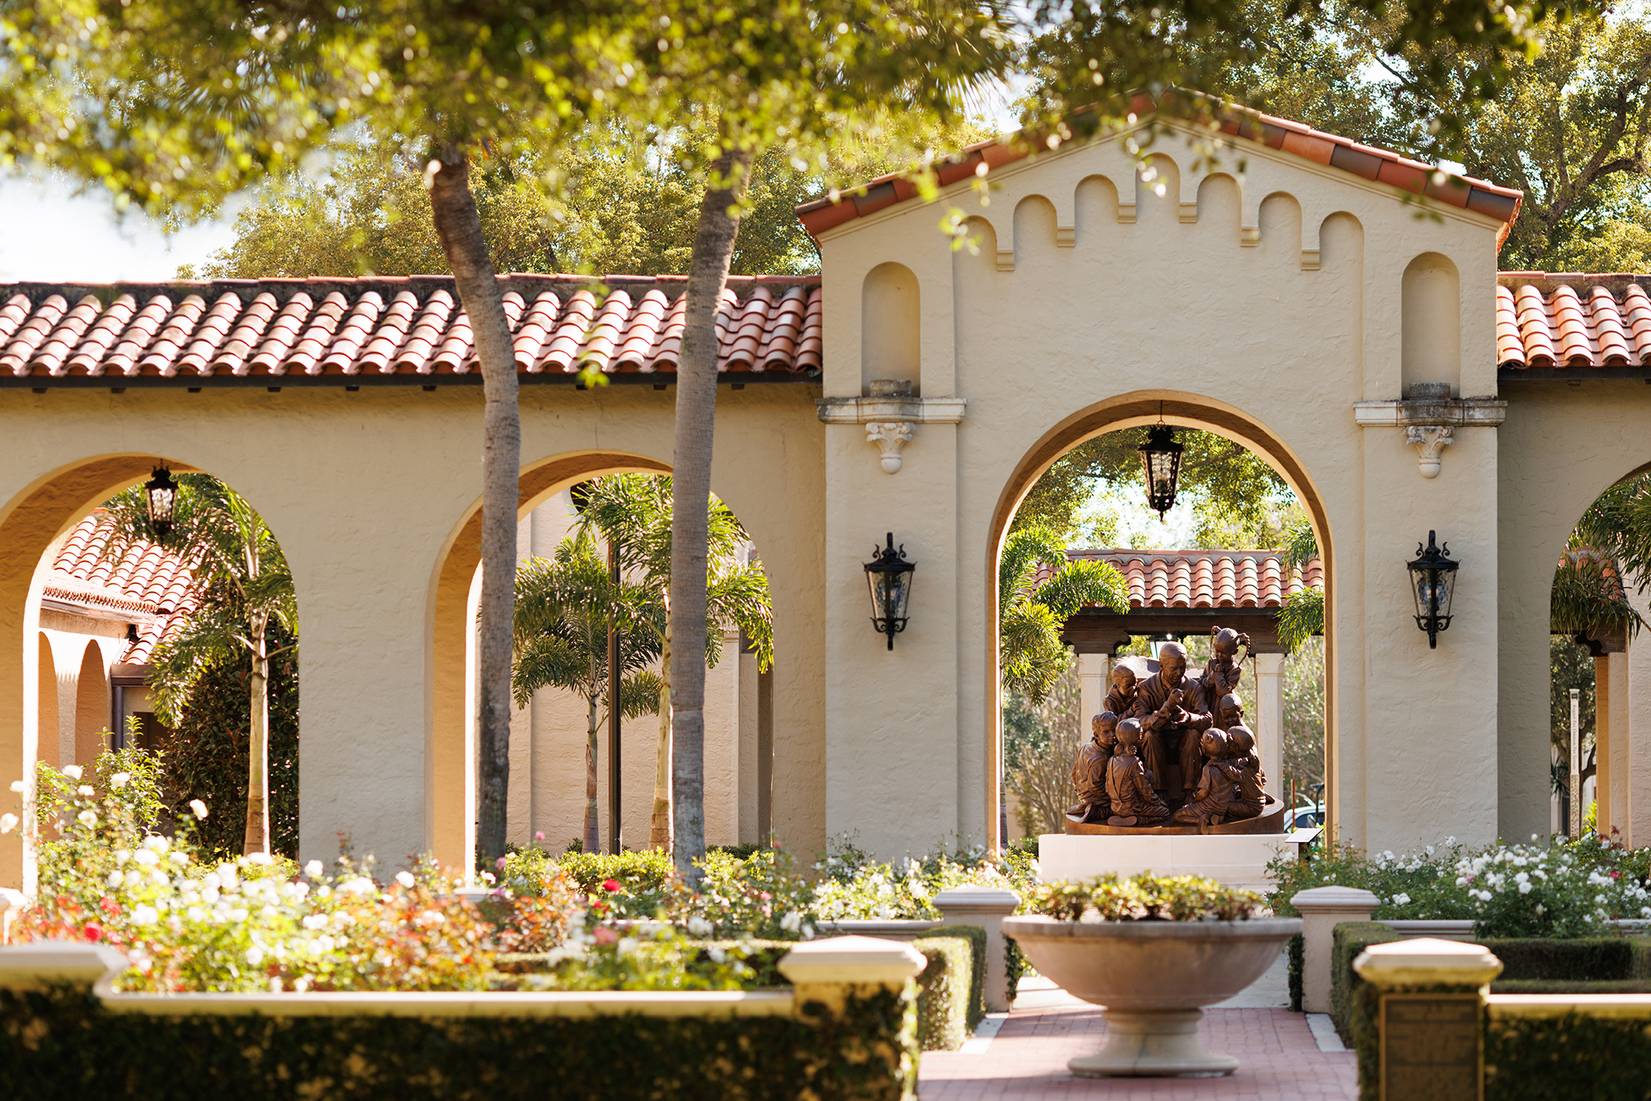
point(143, 914)
point(17, 786)
point(155, 843)
point(146, 857)
point(314, 869)
point(72, 771)
point(257, 860)
point(315, 921)
point(198, 808)
point(119, 780)
point(255, 955)
point(86, 818)
point(405, 879)
point(85, 791)
point(115, 879)
point(8, 822)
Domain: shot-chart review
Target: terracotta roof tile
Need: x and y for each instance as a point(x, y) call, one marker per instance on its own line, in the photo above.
point(372, 328)
point(1572, 320)
point(146, 582)
point(1207, 579)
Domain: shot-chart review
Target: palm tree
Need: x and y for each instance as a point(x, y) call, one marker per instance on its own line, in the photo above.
point(561, 640)
point(244, 586)
point(1039, 588)
point(633, 512)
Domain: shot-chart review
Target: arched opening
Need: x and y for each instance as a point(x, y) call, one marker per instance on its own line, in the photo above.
point(1133, 411)
point(549, 734)
point(113, 601)
point(49, 740)
point(92, 734)
point(1600, 667)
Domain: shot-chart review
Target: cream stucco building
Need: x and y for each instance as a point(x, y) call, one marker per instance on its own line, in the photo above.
point(1335, 309)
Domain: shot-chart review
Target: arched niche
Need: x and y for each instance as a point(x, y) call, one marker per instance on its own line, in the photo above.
point(890, 327)
point(91, 706)
point(1431, 303)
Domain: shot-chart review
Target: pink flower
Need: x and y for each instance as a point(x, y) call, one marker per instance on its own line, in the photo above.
point(92, 931)
point(604, 935)
point(538, 835)
point(499, 863)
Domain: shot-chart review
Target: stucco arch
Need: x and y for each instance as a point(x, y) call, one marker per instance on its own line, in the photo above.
point(91, 705)
point(1120, 413)
point(49, 741)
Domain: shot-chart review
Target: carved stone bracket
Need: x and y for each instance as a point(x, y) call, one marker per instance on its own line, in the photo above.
point(1433, 439)
point(891, 418)
point(1430, 421)
point(889, 437)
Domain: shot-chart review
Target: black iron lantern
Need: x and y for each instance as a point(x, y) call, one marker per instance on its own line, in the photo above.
point(1433, 583)
point(889, 577)
point(162, 492)
point(1161, 458)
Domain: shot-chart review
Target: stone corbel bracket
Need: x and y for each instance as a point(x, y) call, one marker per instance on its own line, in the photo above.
point(1430, 423)
point(891, 422)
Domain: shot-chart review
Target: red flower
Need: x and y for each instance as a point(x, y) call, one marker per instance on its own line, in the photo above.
point(108, 905)
point(1616, 875)
point(92, 931)
point(612, 885)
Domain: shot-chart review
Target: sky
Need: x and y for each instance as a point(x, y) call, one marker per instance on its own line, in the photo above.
point(53, 234)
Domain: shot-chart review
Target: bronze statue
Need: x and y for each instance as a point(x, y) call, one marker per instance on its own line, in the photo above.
point(1172, 751)
point(1170, 708)
point(1217, 788)
point(1089, 771)
point(1134, 802)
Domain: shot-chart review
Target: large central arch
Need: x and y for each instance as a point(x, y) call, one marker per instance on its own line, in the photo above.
point(1133, 410)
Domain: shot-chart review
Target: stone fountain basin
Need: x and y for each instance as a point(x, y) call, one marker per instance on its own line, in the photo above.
point(1154, 978)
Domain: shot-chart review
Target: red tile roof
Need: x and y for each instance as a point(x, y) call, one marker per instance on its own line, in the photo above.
point(1207, 579)
point(1572, 320)
point(379, 329)
point(1295, 138)
point(147, 583)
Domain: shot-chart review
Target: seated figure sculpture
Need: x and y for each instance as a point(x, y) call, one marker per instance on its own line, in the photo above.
point(1134, 802)
point(1120, 693)
point(1245, 768)
point(1212, 801)
point(1170, 707)
point(1223, 671)
point(1089, 771)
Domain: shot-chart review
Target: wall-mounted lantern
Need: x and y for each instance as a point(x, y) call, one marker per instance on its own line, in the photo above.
point(1433, 584)
point(162, 493)
point(1161, 458)
point(889, 577)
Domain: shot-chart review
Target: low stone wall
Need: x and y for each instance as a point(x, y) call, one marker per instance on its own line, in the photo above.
point(845, 1030)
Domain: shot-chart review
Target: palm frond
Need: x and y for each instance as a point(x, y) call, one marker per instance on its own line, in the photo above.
point(1024, 550)
point(1300, 617)
point(1588, 597)
point(1301, 544)
point(1033, 655)
point(1083, 584)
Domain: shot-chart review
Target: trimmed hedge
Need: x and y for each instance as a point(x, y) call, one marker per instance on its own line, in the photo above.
point(943, 993)
point(63, 1046)
point(1585, 959)
point(1539, 1059)
point(1347, 941)
point(1296, 952)
point(976, 936)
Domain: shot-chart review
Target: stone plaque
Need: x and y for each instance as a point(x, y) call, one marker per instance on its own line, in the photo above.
point(1430, 1047)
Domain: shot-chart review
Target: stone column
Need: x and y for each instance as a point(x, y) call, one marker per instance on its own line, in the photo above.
point(1269, 719)
point(1637, 817)
point(1322, 909)
point(1432, 1008)
point(1093, 669)
point(1602, 743)
point(1620, 737)
point(985, 907)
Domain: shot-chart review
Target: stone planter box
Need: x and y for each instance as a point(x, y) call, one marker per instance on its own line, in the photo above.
point(1154, 979)
point(892, 929)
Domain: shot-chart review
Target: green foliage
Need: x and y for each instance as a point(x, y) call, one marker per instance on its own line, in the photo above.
point(943, 992)
point(1145, 898)
point(1576, 1055)
point(1295, 953)
point(1304, 719)
point(1300, 617)
point(852, 887)
point(1570, 666)
point(61, 1047)
point(1347, 940)
point(1033, 609)
point(1580, 960)
point(1588, 599)
point(1039, 774)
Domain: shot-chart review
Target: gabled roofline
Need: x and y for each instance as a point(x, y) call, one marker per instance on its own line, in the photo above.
point(1232, 120)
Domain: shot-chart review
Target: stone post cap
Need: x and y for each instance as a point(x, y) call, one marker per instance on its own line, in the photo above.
point(27, 966)
point(992, 900)
point(1427, 961)
point(1334, 899)
point(851, 960)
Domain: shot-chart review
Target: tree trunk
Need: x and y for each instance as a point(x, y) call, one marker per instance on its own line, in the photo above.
point(257, 825)
point(696, 400)
point(593, 830)
point(460, 230)
point(659, 823)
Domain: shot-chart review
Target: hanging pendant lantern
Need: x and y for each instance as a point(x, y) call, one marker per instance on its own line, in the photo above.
point(162, 494)
point(1161, 459)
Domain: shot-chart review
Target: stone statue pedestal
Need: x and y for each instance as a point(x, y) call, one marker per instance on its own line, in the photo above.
point(1236, 859)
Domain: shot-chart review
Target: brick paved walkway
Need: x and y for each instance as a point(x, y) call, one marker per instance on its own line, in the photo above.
point(1027, 1058)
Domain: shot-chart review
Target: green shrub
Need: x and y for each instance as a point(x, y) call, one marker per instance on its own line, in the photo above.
point(1571, 986)
point(975, 936)
point(1577, 960)
point(64, 1047)
point(1015, 965)
point(1541, 1058)
point(943, 992)
point(1295, 952)
point(1347, 941)
point(640, 872)
point(1144, 898)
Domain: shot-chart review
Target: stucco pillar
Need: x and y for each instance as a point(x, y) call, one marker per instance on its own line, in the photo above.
point(1322, 909)
point(1093, 670)
point(748, 769)
point(1603, 755)
point(1269, 718)
point(1638, 815)
point(1617, 665)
